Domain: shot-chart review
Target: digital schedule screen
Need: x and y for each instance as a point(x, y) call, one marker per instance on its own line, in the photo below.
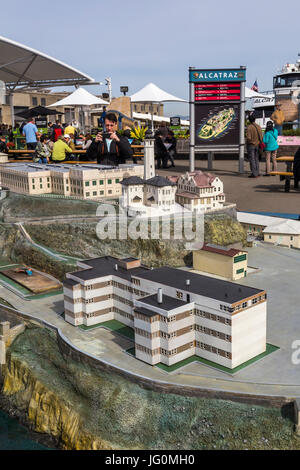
point(219, 91)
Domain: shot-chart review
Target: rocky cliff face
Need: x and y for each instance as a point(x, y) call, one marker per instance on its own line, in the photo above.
point(87, 408)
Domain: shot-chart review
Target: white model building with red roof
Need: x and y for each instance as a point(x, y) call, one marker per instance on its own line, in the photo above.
point(199, 191)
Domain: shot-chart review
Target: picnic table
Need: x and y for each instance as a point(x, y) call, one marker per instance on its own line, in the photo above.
point(288, 174)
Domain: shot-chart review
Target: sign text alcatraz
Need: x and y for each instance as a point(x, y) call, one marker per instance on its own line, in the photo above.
point(235, 75)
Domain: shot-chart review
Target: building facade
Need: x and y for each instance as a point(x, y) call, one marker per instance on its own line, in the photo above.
point(229, 263)
point(199, 191)
point(175, 314)
point(81, 181)
point(156, 192)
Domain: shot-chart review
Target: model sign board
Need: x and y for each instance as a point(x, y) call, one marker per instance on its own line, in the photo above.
point(217, 104)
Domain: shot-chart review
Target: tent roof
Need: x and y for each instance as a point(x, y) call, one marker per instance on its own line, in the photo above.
point(80, 97)
point(253, 94)
point(148, 117)
point(22, 66)
point(152, 93)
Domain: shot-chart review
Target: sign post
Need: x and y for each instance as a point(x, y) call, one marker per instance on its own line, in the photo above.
point(217, 112)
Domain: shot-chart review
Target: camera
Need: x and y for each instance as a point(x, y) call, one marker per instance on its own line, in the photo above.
point(105, 135)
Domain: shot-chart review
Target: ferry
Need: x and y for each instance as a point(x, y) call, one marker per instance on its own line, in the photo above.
point(286, 87)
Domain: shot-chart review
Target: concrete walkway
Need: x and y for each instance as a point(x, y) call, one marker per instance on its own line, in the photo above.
point(250, 194)
point(274, 375)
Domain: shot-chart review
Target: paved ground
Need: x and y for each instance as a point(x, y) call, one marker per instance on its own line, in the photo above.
point(250, 194)
point(274, 375)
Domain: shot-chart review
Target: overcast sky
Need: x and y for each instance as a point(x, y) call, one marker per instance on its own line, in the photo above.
point(138, 42)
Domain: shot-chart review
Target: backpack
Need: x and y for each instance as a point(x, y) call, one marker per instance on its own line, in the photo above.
point(56, 133)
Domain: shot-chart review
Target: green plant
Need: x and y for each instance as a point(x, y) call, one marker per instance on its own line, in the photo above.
point(138, 133)
point(291, 132)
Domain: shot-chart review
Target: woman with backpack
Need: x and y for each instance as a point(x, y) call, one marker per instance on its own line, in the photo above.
point(270, 140)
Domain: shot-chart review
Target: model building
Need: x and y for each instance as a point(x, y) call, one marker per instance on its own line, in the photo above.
point(175, 313)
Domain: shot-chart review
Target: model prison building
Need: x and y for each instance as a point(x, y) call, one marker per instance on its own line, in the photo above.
point(175, 314)
point(81, 181)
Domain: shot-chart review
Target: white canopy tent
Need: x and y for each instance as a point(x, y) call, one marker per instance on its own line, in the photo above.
point(151, 93)
point(252, 94)
point(24, 67)
point(147, 117)
point(80, 97)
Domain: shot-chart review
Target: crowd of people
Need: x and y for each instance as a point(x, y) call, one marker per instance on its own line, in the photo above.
point(59, 143)
point(164, 146)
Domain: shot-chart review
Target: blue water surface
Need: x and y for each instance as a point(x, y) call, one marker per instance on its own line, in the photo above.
point(14, 436)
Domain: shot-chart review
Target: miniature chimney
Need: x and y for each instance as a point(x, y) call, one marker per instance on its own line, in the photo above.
point(116, 267)
point(159, 295)
point(188, 282)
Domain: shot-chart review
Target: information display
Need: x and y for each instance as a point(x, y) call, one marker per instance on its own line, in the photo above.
point(217, 112)
point(217, 91)
point(217, 125)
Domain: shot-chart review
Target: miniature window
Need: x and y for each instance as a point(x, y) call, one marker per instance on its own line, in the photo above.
point(94, 183)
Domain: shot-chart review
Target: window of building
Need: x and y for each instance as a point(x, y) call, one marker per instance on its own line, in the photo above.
point(109, 181)
point(94, 183)
point(117, 180)
point(101, 193)
point(94, 193)
point(239, 271)
point(101, 182)
point(292, 238)
point(41, 186)
point(34, 101)
point(33, 187)
point(239, 258)
point(87, 183)
point(87, 194)
point(43, 101)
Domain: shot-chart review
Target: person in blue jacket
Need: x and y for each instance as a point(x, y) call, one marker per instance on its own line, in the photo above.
point(270, 140)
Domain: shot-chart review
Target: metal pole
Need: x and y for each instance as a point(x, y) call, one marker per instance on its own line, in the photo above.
point(192, 125)
point(210, 158)
point(242, 126)
point(12, 112)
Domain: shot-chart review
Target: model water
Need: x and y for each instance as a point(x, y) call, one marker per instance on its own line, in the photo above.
point(14, 436)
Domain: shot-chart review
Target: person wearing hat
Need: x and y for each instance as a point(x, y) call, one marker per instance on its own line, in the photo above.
point(60, 148)
point(278, 118)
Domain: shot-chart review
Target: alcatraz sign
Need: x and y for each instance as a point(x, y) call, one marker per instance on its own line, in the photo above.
point(225, 75)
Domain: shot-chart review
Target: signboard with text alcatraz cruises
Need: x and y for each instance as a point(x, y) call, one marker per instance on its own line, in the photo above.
point(217, 109)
